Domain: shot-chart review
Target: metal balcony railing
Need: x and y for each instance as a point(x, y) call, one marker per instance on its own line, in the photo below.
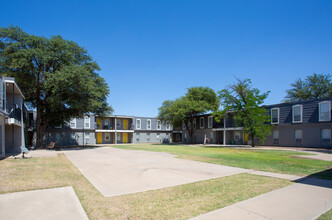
point(14, 111)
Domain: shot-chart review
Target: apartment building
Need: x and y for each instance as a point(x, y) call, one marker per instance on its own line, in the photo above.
point(301, 124)
point(114, 129)
point(11, 117)
point(151, 130)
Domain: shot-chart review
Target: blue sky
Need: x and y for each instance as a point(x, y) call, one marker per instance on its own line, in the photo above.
point(151, 51)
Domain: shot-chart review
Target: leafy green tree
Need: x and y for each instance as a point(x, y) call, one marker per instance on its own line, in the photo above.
point(313, 87)
point(58, 77)
point(245, 104)
point(197, 101)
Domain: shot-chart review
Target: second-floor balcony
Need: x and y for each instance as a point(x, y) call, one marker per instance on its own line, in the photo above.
point(14, 113)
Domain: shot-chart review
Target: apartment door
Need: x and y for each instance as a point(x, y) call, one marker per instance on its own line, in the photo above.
point(99, 123)
point(99, 138)
point(125, 138)
point(125, 124)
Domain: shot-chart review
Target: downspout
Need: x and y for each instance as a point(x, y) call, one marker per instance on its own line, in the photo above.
point(116, 136)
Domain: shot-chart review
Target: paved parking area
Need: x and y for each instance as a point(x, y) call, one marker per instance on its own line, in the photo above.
point(52, 204)
point(116, 172)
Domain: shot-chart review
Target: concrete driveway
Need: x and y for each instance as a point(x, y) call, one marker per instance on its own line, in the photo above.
point(116, 172)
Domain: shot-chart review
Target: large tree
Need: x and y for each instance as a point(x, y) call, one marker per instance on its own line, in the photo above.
point(245, 104)
point(197, 101)
point(312, 87)
point(58, 77)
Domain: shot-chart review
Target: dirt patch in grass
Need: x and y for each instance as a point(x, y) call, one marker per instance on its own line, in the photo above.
point(180, 202)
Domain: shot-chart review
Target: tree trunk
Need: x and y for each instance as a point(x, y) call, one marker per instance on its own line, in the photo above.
point(40, 129)
point(252, 141)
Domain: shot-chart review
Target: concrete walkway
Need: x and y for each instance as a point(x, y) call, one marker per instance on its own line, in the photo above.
point(307, 199)
point(117, 172)
point(51, 204)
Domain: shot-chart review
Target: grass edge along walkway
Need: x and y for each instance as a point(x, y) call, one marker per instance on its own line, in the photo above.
point(275, 161)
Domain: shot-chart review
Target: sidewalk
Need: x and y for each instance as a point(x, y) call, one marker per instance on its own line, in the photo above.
point(307, 199)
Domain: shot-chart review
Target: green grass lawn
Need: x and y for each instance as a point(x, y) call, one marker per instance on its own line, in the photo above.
point(179, 202)
point(326, 216)
point(278, 161)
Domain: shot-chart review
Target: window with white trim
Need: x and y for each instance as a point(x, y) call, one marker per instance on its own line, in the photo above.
point(275, 136)
point(118, 123)
point(210, 121)
point(297, 113)
point(158, 135)
point(168, 126)
point(73, 123)
point(275, 116)
point(86, 122)
point(87, 137)
point(298, 136)
point(107, 136)
point(324, 109)
point(137, 137)
point(326, 137)
point(201, 122)
point(138, 123)
point(194, 123)
point(148, 137)
point(148, 124)
point(158, 125)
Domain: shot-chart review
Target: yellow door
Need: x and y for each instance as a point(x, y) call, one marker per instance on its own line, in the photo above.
point(125, 138)
point(245, 138)
point(98, 138)
point(99, 124)
point(125, 124)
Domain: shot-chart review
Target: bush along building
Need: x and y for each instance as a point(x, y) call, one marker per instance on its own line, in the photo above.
point(11, 117)
point(114, 129)
point(299, 124)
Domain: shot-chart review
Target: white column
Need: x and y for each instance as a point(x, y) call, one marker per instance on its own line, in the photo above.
point(115, 135)
point(224, 141)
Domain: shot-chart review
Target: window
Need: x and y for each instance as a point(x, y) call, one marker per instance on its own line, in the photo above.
point(183, 126)
point(194, 123)
point(297, 113)
point(237, 136)
point(73, 136)
point(106, 122)
point(210, 121)
point(87, 137)
point(148, 137)
point(158, 135)
point(118, 137)
point(211, 136)
point(107, 137)
point(137, 137)
point(148, 124)
point(275, 136)
point(298, 136)
point(158, 125)
point(87, 122)
point(73, 123)
point(326, 137)
point(324, 109)
point(201, 121)
point(138, 123)
point(57, 137)
point(275, 116)
point(118, 123)
point(168, 126)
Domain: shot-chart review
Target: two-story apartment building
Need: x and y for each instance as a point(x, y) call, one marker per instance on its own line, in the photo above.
point(11, 117)
point(301, 124)
point(113, 129)
point(207, 129)
point(151, 130)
